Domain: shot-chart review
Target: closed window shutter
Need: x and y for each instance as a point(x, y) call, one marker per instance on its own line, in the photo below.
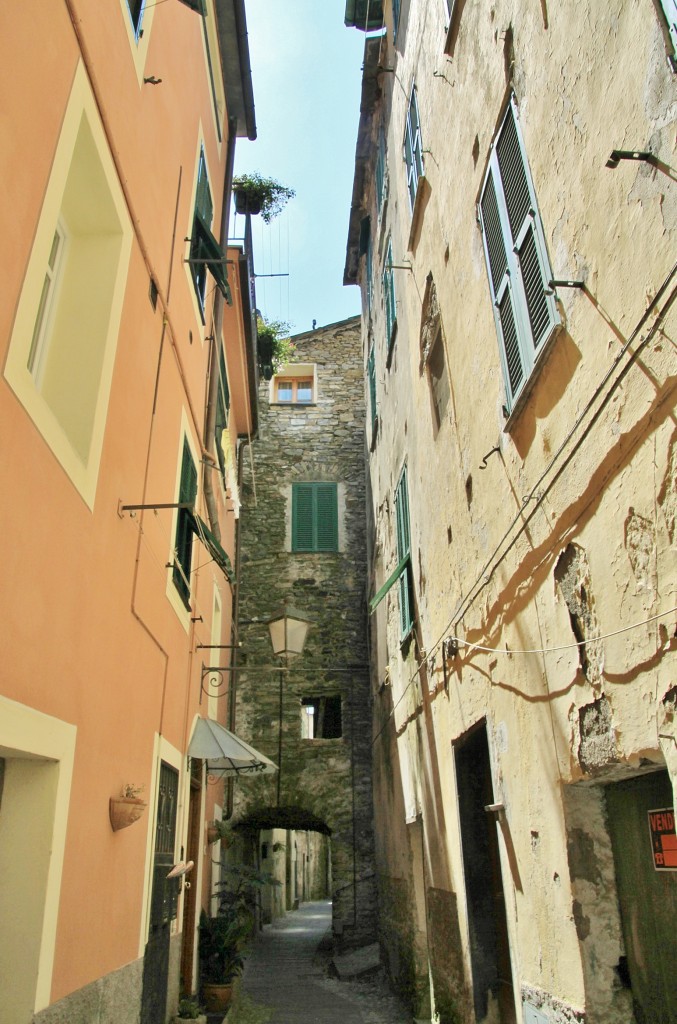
point(326, 517)
point(302, 517)
point(314, 517)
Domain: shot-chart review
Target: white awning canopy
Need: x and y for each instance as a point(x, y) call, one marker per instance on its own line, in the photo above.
point(224, 752)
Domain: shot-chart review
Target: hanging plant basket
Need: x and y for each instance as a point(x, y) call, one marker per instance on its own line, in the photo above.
point(124, 811)
point(246, 203)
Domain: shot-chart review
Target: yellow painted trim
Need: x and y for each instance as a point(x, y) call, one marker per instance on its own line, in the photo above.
point(32, 734)
point(215, 53)
point(139, 48)
point(83, 472)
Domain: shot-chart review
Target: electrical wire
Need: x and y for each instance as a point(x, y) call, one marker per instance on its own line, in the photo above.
point(564, 647)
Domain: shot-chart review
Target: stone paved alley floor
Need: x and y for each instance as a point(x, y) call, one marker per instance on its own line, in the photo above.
point(286, 979)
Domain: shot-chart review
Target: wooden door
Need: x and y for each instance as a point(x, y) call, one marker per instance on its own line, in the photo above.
point(647, 891)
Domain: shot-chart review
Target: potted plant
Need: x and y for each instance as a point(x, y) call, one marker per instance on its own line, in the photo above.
point(189, 1009)
point(127, 808)
point(220, 830)
point(275, 347)
point(255, 194)
point(220, 959)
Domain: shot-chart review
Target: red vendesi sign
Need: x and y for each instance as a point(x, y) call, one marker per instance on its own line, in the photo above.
point(663, 839)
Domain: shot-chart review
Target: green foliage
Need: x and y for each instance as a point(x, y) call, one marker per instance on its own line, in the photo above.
point(189, 1009)
point(238, 889)
point(276, 348)
point(261, 195)
point(219, 946)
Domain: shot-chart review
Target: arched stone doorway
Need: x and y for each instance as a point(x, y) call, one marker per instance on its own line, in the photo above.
point(312, 859)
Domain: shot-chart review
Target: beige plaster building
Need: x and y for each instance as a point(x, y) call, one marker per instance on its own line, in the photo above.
point(513, 233)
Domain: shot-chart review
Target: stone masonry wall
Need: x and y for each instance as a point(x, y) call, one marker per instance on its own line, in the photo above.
point(326, 778)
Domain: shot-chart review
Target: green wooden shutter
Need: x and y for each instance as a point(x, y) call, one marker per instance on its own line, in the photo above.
point(302, 517)
point(326, 517)
point(203, 196)
point(403, 552)
point(184, 523)
point(314, 517)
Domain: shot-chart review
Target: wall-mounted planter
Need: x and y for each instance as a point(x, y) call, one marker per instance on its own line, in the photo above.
point(124, 811)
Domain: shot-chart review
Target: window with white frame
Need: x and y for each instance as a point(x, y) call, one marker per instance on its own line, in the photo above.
point(413, 147)
point(388, 282)
point(517, 261)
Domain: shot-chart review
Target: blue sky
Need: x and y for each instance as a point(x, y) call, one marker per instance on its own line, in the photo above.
point(306, 70)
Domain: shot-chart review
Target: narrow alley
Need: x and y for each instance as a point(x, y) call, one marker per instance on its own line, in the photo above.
point(287, 979)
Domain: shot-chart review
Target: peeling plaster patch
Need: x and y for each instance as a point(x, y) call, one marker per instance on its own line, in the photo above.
point(667, 496)
point(598, 740)
point(581, 921)
point(582, 857)
point(556, 1011)
point(641, 547)
point(572, 575)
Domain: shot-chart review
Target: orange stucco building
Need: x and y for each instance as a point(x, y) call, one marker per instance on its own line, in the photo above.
point(128, 378)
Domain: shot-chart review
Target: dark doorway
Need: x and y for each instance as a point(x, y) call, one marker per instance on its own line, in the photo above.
point(163, 902)
point(641, 815)
point(489, 947)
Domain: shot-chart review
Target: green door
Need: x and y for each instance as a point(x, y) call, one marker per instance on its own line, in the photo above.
point(647, 891)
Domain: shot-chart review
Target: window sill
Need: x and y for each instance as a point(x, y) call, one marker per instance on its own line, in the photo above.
point(294, 405)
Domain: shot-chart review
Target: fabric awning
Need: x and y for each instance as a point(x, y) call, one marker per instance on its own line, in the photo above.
point(225, 752)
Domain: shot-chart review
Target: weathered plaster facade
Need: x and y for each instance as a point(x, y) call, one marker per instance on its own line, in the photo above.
point(542, 543)
point(324, 781)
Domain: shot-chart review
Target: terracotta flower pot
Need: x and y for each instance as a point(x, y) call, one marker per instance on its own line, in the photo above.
point(124, 811)
point(217, 997)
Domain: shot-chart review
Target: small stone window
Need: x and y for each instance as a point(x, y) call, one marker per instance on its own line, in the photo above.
point(291, 389)
point(321, 718)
